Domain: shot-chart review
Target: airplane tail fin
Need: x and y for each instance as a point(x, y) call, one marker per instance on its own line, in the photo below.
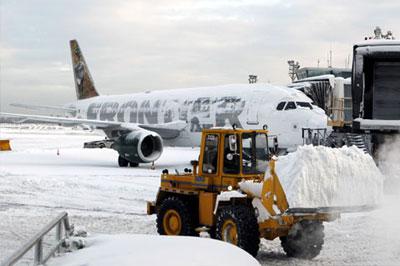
point(84, 84)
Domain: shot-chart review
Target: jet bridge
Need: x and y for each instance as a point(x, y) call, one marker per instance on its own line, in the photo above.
point(376, 86)
point(363, 109)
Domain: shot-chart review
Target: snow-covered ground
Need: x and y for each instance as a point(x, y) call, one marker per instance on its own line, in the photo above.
point(36, 184)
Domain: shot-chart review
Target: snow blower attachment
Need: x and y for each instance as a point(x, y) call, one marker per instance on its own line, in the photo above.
point(228, 195)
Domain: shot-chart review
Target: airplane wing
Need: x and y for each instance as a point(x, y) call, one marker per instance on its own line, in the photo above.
point(43, 107)
point(166, 130)
point(169, 130)
point(66, 121)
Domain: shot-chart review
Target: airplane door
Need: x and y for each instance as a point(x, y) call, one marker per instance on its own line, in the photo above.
point(253, 107)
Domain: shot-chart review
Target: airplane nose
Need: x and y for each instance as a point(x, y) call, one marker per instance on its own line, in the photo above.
point(318, 121)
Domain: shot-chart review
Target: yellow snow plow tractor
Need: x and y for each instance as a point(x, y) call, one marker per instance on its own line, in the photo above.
point(228, 194)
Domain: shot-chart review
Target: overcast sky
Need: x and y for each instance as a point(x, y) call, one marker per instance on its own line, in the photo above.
point(131, 46)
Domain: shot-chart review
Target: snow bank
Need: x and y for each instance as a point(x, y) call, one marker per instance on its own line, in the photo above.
point(155, 250)
point(321, 176)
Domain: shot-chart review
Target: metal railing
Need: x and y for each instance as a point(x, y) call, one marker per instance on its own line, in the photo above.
point(314, 136)
point(36, 242)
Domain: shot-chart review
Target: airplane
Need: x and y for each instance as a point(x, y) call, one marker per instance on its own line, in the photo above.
point(139, 125)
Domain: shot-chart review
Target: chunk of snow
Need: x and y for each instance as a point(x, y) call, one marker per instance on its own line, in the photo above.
point(322, 176)
point(261, 213)
point(251, 187)
point(226, 196)
point(155, 250)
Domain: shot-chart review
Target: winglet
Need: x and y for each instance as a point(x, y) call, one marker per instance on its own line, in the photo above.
point(84, 84)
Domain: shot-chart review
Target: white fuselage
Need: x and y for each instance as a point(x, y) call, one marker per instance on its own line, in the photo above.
point(247, 105)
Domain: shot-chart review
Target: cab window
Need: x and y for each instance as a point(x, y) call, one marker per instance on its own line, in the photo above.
point(290, 105)
point(280, 106)
point(231, 156)
point(254, 153)
point(210, 158)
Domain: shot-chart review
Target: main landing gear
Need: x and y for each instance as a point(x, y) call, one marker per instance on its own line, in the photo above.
point(122, 162)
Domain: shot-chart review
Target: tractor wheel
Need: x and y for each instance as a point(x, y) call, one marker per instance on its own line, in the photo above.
point(122, 162)
point(212, 232)
point(238, 225)
point(305, 240)
point(174, 218)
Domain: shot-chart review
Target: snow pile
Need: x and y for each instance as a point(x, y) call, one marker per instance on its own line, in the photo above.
point(155, 250)
point(321, 176)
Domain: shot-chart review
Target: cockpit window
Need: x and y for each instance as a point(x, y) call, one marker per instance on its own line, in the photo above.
point(304, 105)
point(280, 106)
point(290, 105)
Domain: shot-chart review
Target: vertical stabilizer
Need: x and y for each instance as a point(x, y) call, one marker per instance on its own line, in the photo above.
point(83, 80)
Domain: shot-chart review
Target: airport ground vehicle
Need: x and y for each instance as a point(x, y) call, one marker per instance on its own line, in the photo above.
point(5, 145)
point(211, 197)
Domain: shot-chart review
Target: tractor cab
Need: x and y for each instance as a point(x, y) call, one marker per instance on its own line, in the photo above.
point(229, 155)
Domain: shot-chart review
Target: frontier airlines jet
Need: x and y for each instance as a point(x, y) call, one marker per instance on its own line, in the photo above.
point(138, 125)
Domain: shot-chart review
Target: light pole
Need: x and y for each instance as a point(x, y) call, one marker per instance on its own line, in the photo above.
point(293, 67)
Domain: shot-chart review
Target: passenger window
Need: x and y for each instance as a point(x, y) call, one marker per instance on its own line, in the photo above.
point(280, 106)
point(290, 105)
point(231, 157)
point(210, 158)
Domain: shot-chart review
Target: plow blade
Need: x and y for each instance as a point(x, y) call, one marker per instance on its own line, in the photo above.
point(336, 209)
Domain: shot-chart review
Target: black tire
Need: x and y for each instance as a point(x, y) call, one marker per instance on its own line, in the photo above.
point(133, 164)
point(177, 207)
point(212, 233)
point(305, 240)
point(243, 218)
point(122, 162)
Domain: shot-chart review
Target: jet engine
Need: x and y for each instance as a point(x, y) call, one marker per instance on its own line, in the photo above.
point(140, 146)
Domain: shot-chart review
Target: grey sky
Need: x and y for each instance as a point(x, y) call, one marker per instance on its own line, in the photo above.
point(131, 46)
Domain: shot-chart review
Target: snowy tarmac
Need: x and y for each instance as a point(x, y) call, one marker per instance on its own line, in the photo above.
point(36, 184)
